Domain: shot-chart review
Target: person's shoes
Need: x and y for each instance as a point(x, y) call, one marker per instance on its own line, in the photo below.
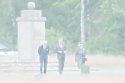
point(44, 72)
point(60, 72)
point(41, 72)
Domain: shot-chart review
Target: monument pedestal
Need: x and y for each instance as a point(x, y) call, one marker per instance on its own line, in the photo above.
point(31, 33)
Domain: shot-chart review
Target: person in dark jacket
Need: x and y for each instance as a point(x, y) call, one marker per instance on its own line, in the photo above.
point(80, 56)
point(43, 56)
point(61, 51)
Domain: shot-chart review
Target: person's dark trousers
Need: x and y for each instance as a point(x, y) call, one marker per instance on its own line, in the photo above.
point(61, 61)
point(43, 62)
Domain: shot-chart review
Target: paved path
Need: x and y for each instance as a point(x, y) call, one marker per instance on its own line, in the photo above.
point(106, 70)
point(103, 76)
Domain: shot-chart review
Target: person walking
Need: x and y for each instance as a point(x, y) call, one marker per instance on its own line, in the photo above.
point(43, 52)
point(80, 58)
point(61, 51)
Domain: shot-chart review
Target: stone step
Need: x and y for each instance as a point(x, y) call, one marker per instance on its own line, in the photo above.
point(51, 67)
point(11, 63)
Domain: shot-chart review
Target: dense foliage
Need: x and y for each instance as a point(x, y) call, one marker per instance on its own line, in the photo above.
point(104, 23)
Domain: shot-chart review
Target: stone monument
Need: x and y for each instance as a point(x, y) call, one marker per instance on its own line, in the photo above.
point(31, 33)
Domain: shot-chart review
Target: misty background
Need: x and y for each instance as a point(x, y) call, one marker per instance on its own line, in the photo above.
point(104, 23)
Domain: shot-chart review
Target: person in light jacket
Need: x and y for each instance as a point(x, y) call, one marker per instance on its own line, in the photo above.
point(80, 57)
